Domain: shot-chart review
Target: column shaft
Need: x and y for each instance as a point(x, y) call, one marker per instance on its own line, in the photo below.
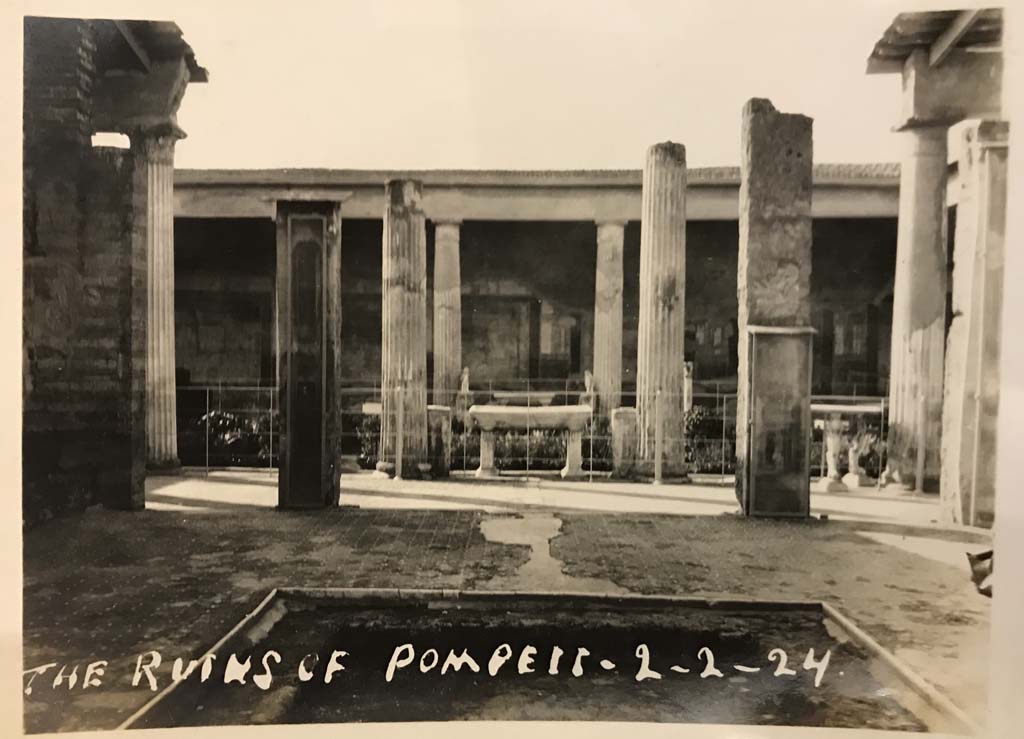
point(773, 290)
point(608, 317)
point(919, 310)
point(662, 299)
point(447, 313)
point(971, 391)
point(161, 389)
point(404, 327)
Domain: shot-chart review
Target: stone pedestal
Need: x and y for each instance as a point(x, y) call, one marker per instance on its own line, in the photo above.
point(404, 330)
point(608, 317)
point(918, 313)
point(161, 387)
point(573, 455)
point(487, 468)
point(971, 400)
point(688, 387)
point(662, 299)
point(773, 291)
point(447, 313)
point(859, 443)
point(624, 442)
point(439, 439)
point(832, 482)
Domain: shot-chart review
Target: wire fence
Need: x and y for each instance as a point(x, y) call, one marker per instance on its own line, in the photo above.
point(223, 426)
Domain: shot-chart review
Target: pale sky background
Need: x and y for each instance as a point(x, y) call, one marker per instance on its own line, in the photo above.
point(544, 84)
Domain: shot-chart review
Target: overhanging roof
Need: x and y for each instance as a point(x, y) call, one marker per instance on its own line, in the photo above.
point(135, 44)
point(937, 32)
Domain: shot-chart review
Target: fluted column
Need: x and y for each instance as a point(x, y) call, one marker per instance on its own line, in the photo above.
point(404, 328)
point(608, 317)
point(662, 300)
point(161, 390)
point(918, 311)
point(970, 411)
point(447, 313)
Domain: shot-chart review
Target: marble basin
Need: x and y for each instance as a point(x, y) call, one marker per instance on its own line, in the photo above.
point(569, 417)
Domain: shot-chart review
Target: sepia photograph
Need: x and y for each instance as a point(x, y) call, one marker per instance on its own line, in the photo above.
point(561, 367)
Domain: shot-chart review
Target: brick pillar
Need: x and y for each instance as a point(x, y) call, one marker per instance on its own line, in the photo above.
point(608, 317)
point(773, 297)
point(161, 390)
point(971, 399)
point(447, 313)
point(404, 328)
point(662, 297)
point(918, 311)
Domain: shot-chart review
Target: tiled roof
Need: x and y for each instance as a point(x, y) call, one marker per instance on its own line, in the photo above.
point(921, 30)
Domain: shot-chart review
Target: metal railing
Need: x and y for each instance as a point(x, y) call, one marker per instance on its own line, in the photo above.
point(239, 426)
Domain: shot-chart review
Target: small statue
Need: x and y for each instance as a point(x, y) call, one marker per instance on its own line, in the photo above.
point(463, 398)
point(833, 436)
point(587, 396)
point(857, 446)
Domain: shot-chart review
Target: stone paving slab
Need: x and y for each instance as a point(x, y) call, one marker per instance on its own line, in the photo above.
point(110, 585)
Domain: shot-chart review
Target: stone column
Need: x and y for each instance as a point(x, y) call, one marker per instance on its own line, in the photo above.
point(447, 313)
point(662, 296)
point(161, 389)
point(404, 329)
point(774, 294)
point(918, 311)
point(608, 317)
point(971, 399)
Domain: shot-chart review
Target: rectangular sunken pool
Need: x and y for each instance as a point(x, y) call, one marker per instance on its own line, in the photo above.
point(331, 656)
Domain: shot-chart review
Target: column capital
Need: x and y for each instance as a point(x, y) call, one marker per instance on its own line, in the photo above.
point(157, 143)
point(620, 223)
point(446, 222)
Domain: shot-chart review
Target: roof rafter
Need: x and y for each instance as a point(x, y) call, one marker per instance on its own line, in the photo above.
point(949, 38)
point(133, 43)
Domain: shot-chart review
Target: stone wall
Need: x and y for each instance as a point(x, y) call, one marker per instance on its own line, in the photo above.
point(84, 290)
point(224, 304)
point(853, 261)
point(507, 269)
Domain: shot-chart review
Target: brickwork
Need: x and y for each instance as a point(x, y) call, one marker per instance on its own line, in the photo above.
point(59, 76)
point(84, 290)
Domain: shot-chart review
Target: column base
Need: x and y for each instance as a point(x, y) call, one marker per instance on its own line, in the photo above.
point(856, 480)
point(164, 466)
point(670, 473)
point(891, 478)
point(829, 485)
point(413, 471)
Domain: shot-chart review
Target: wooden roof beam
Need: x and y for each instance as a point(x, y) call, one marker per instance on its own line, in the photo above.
point(949, 38)
point(133, 44)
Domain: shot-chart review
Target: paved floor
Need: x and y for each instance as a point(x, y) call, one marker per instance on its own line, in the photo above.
point(111, 585)
point(707, 496)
